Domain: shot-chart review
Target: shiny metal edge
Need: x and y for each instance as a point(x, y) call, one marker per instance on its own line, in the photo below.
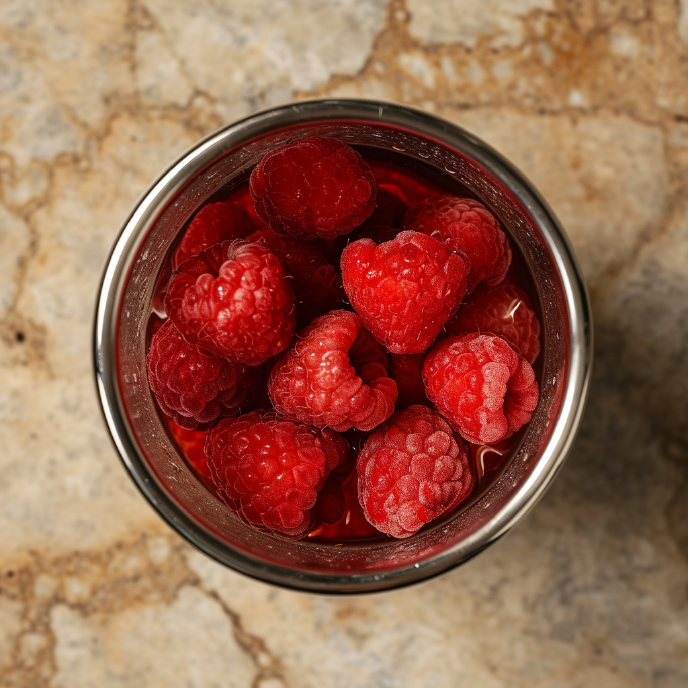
point(205, 152)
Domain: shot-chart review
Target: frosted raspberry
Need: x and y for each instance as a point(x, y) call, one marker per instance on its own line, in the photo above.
point(411, 470)
point(315, 187)
point(214, 223)
point(405, 290)
point(316, 284)
point(270, 470)
point(334, 375)
point(192, 387)
point(468, 228)
point(385, 222)
point(504, 310)
point(407, 371)
point(481, 385)
point(232, 300)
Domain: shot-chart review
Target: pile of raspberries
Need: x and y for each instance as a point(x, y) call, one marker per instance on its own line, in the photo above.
point(337, 307)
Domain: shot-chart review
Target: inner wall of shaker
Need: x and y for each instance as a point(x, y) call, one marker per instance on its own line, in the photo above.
point(170, 469)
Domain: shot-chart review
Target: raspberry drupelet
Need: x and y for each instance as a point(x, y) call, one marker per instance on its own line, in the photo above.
point(233, 300)
point(335, 375)
point(468, 228)
point(192, 387)
point(405, 290)
point(314, 187)
point(481, 386)
point(213, 224)
point(411, 470)
point(504, 310)
point(270, 470)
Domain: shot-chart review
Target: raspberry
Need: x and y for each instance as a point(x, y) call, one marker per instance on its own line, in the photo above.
point(504, 310)
point(270, 470)
point(315, 187)
point(411, 470)
point(407, 371)
point(481, 385)
point(317, 285)
point(192, 387)
point(335, 374)
point(468, 228)
point(331, 503)
point(232, 300)
point(385, 222)
point(405, 290)
point(214, 223)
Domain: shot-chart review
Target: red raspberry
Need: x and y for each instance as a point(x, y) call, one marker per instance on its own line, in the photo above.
point(317, 285)
point(407, 371)
point(383, 225)
point(192, 387)
point(504, 310)
point(468, 228)
point(331, 503)
point(385, 222)
point(411, 470)
point(405, 290)
point(233, 301)
point(214, 223)
point(270, 470)
point(335, 374)
point(315, 187)
point(481, 385)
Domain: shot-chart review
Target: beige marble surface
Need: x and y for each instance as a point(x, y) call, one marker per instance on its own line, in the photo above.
point(589, 98)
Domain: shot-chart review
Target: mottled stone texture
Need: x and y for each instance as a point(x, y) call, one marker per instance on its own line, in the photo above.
point(589, 98)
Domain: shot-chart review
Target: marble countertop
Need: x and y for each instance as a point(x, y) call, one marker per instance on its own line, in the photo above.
point(589, 98)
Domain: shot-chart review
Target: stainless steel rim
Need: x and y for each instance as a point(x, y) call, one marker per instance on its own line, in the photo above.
point(171, 181)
